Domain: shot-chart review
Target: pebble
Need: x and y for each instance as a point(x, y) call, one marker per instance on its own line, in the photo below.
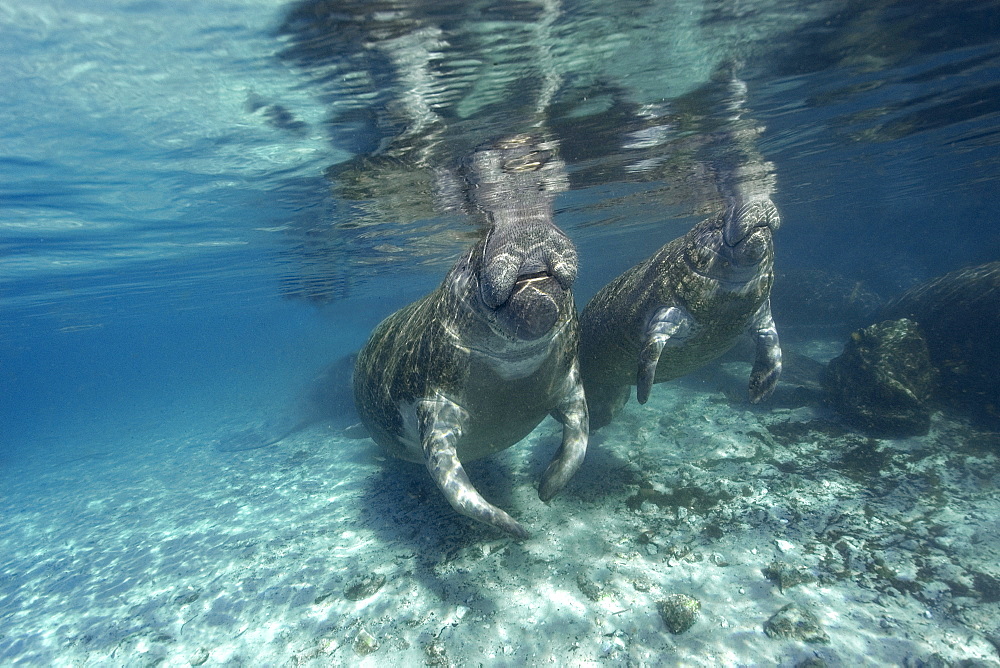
point(364, 643)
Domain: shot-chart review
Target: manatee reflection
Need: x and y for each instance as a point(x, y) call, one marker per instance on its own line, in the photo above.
point(632, 93)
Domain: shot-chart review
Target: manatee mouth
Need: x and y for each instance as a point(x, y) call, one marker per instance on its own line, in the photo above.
point(734, 265)
point(532, 309)
point(747, 220)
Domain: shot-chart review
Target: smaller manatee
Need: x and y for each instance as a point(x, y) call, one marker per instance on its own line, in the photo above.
point(683, 307)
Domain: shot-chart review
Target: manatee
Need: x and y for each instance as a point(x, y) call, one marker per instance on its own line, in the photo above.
point(473, 367)
point(682, 307)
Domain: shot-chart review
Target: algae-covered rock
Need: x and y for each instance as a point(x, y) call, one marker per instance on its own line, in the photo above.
point(883, 379)
point(786, 576)
point(795, 623)
point(811, 662)
point(679, 612)
point(987, 586)
point(959, 314)
point(589, 587)
point(436, 654)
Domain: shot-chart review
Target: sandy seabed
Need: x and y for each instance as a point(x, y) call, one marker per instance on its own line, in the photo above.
point(803, 543)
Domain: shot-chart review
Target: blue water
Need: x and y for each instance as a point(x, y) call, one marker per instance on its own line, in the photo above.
point(178, 259)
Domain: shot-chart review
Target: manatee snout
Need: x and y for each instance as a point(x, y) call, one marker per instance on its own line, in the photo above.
point(734, 250)
point(533, 307)
point(747, 255)
point(747, 231)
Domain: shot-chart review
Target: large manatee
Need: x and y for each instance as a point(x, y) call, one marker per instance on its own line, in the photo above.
point(476, 365)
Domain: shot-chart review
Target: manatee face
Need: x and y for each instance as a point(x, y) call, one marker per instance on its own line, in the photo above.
point(736, 248)
point(524, 276)
point(523, 270)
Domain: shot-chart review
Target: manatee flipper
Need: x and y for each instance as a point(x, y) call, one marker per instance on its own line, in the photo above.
point(667, 324)
point(441, 425)
point(767, 363)
point(572, 413)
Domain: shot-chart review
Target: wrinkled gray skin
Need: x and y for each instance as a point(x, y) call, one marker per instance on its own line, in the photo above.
point(683, 307)
point(475, 366)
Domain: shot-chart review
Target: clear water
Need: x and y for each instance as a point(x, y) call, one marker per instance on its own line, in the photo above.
point(204, 204)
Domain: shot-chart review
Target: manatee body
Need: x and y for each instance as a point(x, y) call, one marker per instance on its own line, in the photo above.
point(684, 306)
point(475, 366)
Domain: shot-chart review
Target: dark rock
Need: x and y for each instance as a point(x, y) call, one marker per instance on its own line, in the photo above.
point(959, 314)
point(589, 587)
point(364, 586)
point(679, 612)
point(786, 576)
point(693, 498)
point(811, 662)
point(795, 623)
point(988, 587)
point(931, 661)
point(865, 459)
point(883, 379)
point(186, 597)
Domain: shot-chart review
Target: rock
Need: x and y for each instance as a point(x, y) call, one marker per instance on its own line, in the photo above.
point(199, 657)
point(795, 623)
point(931, 661)
point(186, 597)
point(811, 662)
point(589, 587)
point(786, 576)
point(959, 314)
point(883, 379)
point(436, 654)
point(987, 586)
point(364, 586)
point(679, 612)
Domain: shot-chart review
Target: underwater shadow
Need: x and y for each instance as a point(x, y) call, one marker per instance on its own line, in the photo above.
point(604, 474)
point(404, 508)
